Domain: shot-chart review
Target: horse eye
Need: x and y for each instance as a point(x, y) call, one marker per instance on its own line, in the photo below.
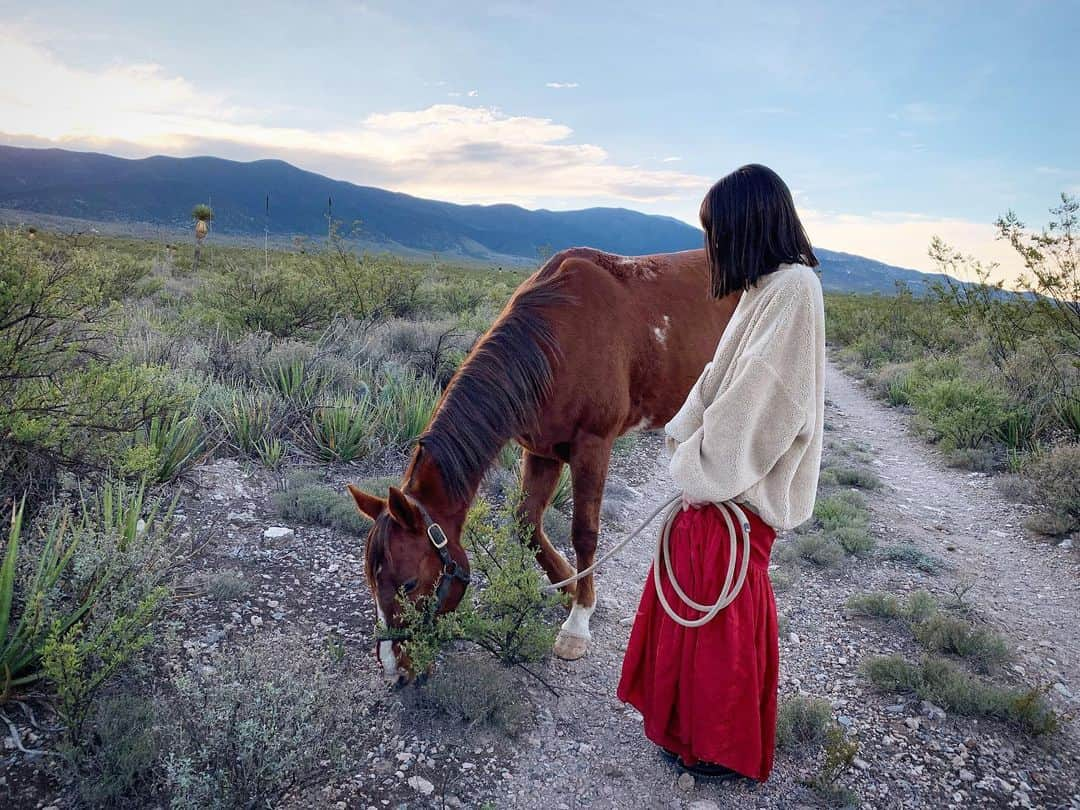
point(409, 586)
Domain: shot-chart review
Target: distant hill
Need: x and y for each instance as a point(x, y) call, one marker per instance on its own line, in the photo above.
point(160, 191)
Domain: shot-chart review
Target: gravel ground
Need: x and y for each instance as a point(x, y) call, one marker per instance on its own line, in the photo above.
point(585, 749)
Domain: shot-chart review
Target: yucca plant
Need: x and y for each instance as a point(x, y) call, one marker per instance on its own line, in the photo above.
point(201, 214)
point(122, 510)
point(248, 418)
point(343, 430)
point(407, 404)
point(179, 442)
point(271, 453)
point(21, 646)
point(1068, 411)
point(294, 382)
point(1017, 429)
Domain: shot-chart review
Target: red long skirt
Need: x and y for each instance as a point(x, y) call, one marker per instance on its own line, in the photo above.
point(708, 693)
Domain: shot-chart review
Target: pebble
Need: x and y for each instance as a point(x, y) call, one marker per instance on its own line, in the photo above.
point(278, 534)
point(421, 785)
point(686, 781)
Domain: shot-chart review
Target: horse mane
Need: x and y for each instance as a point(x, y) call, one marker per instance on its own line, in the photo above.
point(498, 391)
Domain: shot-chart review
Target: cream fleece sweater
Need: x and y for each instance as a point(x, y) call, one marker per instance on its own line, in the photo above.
point(750, 429)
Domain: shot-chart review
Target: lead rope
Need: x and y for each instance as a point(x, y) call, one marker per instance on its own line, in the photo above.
point(732, 585)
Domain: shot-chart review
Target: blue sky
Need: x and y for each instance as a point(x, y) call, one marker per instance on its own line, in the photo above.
point(892, 122)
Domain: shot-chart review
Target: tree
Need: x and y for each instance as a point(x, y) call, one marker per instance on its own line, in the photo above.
point(201, 214)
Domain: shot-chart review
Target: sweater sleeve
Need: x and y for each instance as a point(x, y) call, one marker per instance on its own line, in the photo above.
point(688, 419)
point(743, 432)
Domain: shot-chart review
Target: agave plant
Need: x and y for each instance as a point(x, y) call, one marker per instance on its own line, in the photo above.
point(248, 419)
point(21, 646)
point(343, 430)
point(1068, 411)
point(407, 404)
point(179, 442)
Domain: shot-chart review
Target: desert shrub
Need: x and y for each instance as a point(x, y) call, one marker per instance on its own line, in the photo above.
point(981, 646)
point(854, 540)
point(841, 510)
point(283, 298)
point(343, 430)
point(959, 413)
point(920, 606)
point(1067, 410)
point(475, 689)
point(258, 722)
point(294, 380)
point(875, 604)
point(307, 500)
point(943, 683)
point(838, 756)
point(802, 720)
point(368, 288)
point(226, 586)
point(814, 549)
point(117, 764)
point(1056, 487)
point(856, 477)
point(978, 459)
point(782, 580)
point(909, 554)
point(506, 614)
point(557, 527)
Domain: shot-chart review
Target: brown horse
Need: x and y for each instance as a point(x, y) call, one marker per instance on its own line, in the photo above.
point(591, 346)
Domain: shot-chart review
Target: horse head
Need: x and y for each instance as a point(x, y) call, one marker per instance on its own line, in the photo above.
point(413, 553)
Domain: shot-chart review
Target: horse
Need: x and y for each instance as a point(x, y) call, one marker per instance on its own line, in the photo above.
point(591, 346)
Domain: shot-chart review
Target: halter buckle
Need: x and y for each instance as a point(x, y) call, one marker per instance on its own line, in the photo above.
point(437, 536)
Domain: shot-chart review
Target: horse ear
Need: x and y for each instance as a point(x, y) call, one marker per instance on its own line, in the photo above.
point(402, 510)
point(370, 505)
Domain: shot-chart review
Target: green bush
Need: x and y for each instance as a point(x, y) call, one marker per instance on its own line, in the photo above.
point(814, 549)
point(283, 298)
point(178, 443)
point(1056, 479)
point(258, 722)
point(405, 406)
point(908, 554)
point(982, 647)
point(854, 540)
point(875, 604)
point(343, 430)
point(507, 613)
point(841, 510)
point(802, 720)
point(856, 477)
point(477, 690)
point(945, 684)
point(248, 418)
point(305, 499)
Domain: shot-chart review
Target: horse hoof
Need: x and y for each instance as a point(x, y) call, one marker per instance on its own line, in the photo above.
point(570, 647)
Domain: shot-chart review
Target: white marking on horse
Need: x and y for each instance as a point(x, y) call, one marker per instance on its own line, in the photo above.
point(577, 623)
point(386, 648)
point(661, 331)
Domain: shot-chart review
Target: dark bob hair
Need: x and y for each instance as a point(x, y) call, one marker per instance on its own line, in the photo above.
point(751, 228)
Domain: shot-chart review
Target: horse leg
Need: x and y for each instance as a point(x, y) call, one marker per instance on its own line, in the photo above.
point(539, 477)
point(588, 466)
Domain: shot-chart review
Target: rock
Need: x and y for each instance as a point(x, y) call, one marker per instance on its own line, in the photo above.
point(703, 804)
point(1066, 544)
point(1062, 690)
point(794, 638)
point(686, 781)
point(912, 723)
point(421, 785)
point(861, 764)
point(932, 711)
point(256, 621)
point(966, 775)
point(241, 518)
point(278, 534)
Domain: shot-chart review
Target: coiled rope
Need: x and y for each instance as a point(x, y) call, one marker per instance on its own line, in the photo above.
point(732, 584)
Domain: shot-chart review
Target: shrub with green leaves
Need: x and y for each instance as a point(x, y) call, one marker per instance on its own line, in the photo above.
point(802, 720)
point(178, 443)
point(476, 689)
point(260, 721)
point(248, 418)
point(909, 554)
point(979, 645)
point(405, 406)
point(344, 429)
point(945, 684)
point(506, 612)
point(959, 413)
point(1056, 480)
point(840, 510)
point(814, 549)
point(875, 604)
point(306, 499)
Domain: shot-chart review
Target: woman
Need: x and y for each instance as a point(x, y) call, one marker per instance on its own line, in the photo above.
point(750, 432)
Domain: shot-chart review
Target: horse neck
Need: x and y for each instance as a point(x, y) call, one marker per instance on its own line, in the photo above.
point(424, 482)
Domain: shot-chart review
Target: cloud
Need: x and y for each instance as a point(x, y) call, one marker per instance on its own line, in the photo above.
point(473, 93)
point(671, 159)
point(561, 85)
point(451, 151)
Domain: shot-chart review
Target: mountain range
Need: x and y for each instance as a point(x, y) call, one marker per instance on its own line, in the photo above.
point(251, 198)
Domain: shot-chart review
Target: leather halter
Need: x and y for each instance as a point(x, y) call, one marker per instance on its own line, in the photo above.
point(450, 568)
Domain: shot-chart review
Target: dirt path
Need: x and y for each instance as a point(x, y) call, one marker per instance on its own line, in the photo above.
point(588, 750)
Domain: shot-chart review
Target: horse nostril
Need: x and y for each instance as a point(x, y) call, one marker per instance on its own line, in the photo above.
point(409, 586)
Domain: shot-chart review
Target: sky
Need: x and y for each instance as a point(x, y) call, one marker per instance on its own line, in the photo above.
point(891, 122)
